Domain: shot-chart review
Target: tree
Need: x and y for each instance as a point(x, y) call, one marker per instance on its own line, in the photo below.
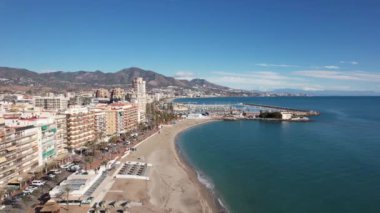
point(113, 139)
point(88, 160)
point(67, 191)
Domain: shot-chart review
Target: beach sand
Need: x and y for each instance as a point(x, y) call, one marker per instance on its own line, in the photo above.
point(173, 185)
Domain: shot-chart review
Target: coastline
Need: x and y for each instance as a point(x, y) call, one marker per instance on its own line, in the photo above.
point(174, 185)
point(206, 192)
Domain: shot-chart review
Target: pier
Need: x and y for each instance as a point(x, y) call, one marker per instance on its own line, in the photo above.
point(299, 112)
point(243, 111)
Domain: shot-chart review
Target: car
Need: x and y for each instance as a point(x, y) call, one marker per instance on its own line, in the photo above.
point(88, 200)
point(45, 178)
point(29, 190)
point(55, 171)
point(52, 175)
point(38, 183)
point(44, 198)
point(66, 165)
point(73, 168)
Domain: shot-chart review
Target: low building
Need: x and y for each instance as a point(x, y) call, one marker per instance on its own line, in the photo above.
point(286, 115)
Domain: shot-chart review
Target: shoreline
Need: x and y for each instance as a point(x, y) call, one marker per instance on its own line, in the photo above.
point(192, 172)
point(173, 184)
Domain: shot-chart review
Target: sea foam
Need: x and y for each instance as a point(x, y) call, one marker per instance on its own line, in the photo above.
point(205, 181)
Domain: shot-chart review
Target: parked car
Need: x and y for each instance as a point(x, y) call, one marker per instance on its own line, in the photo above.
point(73, 168)
point(55, 171)
point(51, 175)
point(44, 198)
point(46, 178)
point(67, 165)
point(29, 190)
point(38, 183)
point(88, 200)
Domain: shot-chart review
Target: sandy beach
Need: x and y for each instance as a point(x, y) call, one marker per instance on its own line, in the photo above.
point(173, 185)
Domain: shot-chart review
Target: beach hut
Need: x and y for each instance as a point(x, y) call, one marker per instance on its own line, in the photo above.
point(50, 207)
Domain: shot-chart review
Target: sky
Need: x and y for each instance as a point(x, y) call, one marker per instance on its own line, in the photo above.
point(246, 44)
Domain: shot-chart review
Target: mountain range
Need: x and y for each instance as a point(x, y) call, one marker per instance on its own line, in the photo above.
point(324, 92)
point(23, 79)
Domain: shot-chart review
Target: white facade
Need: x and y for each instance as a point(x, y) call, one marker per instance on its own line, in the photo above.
point(286, 115)
point(46, 134)
point(141, 97)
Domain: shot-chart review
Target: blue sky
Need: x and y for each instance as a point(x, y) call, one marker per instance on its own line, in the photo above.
point(313, 45)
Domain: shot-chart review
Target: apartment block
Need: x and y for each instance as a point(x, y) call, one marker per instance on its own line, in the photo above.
point(18, 153)
point(52, 103)
point(80, 127)
point(100, 123)
point(111, 120)
point(46, 132)
point(118, 94)
point(121, 118)
point(61, 136)
point(131, 118)
point(102, 93)
point(141, 98)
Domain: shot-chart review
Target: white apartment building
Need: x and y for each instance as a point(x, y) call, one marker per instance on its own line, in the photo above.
point(46, 133)
point(61, 136)
point(141, 97)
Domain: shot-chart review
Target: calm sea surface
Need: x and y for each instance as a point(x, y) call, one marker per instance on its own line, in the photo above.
point(329, 165)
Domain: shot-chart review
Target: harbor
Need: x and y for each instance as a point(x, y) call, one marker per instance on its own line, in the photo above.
point(242, 111)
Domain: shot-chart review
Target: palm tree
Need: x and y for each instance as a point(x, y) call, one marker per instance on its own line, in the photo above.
point(67, 190)
point(87, 160)
point(3, 192)
point(114, 139)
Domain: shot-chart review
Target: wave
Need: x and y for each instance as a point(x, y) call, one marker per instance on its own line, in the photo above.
point(204, 180)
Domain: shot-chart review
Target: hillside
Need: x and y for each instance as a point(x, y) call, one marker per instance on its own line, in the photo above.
point(23, 79)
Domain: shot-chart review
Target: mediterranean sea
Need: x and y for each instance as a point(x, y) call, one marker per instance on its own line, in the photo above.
point(331, 164)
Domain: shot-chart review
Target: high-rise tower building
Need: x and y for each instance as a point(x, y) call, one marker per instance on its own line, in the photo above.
point(140, 92)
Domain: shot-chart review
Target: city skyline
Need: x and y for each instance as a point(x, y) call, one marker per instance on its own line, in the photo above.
point(246, 44)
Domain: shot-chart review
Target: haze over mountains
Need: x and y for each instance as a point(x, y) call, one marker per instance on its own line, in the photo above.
point(18, 79)
point(13, 78)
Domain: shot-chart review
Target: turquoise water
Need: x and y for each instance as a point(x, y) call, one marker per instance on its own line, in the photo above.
point(329, 165)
